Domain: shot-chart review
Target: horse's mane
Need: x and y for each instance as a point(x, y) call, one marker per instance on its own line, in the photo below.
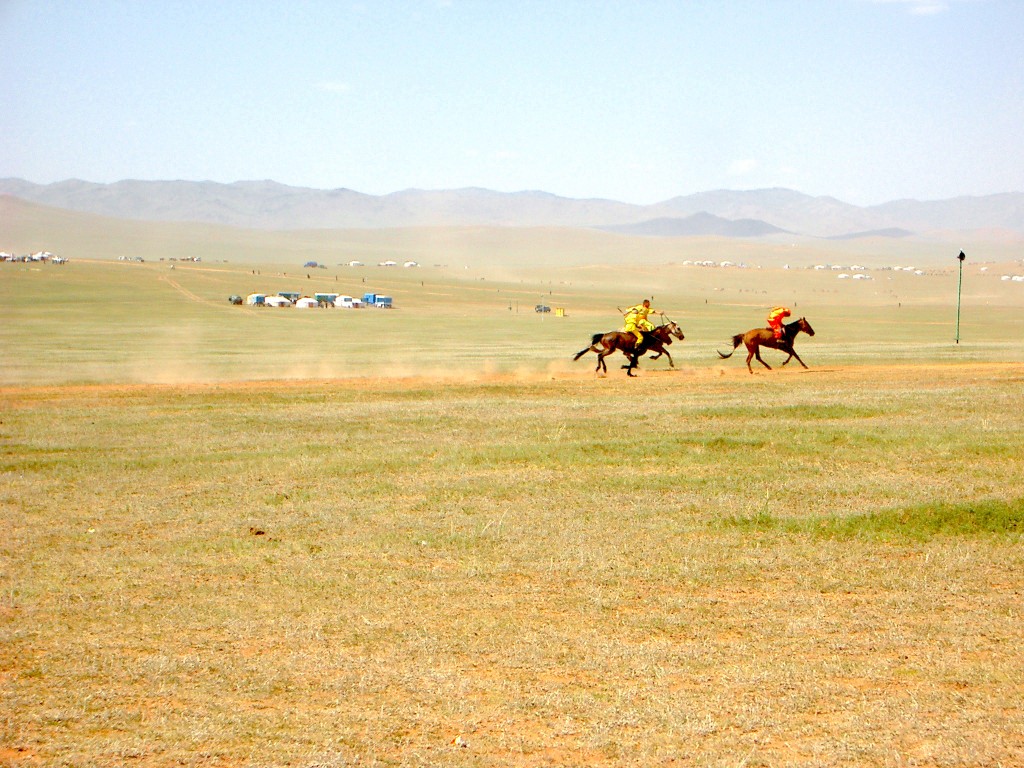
point(795, 326)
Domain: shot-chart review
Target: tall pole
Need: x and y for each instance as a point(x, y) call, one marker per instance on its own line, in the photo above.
point(959, 285)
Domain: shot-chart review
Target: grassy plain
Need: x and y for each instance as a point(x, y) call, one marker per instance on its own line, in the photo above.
point(239, 536)
point(114, 322)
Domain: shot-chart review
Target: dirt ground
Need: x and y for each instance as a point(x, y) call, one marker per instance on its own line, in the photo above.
point(497, 604)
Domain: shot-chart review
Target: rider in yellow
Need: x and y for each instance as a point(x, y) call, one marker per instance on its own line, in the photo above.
point(637, 322)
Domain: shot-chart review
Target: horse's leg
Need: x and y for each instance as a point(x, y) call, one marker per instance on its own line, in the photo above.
point(582, 352)
point(794, 354)
point(663, 351)
point(755, 351)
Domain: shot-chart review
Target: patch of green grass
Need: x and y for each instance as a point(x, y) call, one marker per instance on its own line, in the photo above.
point(816, 412)
point(923, 522)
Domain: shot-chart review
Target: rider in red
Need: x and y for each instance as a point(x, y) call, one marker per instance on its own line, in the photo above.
point(775, 318)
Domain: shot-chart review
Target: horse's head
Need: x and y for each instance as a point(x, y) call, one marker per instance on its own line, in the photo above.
point(674, 330)
point(805, 326)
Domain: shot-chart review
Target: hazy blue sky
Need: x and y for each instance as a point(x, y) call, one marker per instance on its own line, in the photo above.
point(864, 100)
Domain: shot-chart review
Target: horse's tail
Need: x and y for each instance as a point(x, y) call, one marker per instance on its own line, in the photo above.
point(736, 341)
point(593, 346)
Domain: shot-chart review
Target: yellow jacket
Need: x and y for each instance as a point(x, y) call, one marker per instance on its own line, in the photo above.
point(640, 311)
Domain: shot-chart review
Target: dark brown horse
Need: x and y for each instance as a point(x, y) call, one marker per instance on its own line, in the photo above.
point(654, 341)
point(765, 337)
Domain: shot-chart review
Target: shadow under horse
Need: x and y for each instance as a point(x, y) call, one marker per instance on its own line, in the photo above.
point(655, 340)
point(765, 337)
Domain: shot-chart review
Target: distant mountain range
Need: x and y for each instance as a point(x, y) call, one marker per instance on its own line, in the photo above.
point(750, 214)
point(697, 225)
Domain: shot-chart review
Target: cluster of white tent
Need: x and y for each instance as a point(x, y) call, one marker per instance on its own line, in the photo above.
point(259, 299)
point(38, 256)
point(388, 263)
point(709, 263)
point(861, 271)
point(304, 302)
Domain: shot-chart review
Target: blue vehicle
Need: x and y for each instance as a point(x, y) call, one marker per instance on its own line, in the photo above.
point(377, 300)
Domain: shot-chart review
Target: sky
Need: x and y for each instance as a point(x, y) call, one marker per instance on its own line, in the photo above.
point(639, 101)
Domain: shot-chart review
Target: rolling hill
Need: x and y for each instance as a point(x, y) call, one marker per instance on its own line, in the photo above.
point(697, 225)
point(29, 227)
point(269, 205)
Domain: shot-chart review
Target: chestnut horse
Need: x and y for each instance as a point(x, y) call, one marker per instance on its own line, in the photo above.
point(765, 337)
point(654, 341)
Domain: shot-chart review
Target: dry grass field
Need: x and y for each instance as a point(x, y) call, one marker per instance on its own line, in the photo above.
point(425, 537)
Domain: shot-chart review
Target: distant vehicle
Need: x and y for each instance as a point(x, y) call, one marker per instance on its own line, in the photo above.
point(542, 308)
point(378, 300)
point(235, 299)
